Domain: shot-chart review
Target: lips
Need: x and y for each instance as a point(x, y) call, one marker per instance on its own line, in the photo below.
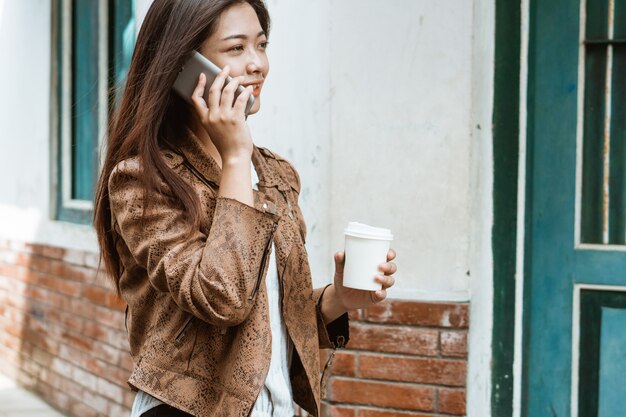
point(256, 86)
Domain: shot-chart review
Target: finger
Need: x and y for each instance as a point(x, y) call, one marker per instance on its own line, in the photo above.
point(242, 100)
point(339, 263)
point(378, 296)
point(197, 97)
point(388, 268)
point(385, 281)
point(215, 91)
point(391, 255)
point(228, 93)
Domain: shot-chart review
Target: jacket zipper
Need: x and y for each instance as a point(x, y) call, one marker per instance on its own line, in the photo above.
point(181, 332)
point(282, 298)
point(263, 263)
point(199, 175)
point(126, 318)
point(341, 342)
point(280, 282)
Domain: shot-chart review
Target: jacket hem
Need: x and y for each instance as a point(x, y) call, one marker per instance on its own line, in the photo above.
point(173, 388)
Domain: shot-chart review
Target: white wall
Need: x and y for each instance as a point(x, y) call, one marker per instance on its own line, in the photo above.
point(401, 84)
point(24, 107)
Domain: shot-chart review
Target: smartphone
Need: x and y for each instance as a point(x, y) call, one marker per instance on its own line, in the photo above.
point(188, 79)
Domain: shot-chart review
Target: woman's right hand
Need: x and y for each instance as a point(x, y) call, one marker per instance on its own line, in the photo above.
point(224, 121)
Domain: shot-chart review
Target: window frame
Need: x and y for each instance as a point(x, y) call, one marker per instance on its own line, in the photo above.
point(115, 46)
point(600, 171)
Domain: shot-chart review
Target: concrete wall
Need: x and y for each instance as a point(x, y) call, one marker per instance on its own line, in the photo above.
point(481, 211)
point(400, 134)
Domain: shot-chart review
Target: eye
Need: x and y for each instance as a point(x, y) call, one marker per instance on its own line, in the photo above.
point(263, 45)
point(236, 48)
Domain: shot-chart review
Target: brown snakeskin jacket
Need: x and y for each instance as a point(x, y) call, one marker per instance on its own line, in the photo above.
point(197, 315)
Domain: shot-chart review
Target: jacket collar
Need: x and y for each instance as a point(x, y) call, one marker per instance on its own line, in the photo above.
point(191, 149)
point(269, 176)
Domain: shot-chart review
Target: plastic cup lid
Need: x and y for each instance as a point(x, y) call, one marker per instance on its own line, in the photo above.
point(369, 232)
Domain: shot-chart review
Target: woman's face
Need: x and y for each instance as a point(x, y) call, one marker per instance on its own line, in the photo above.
point(240, 42)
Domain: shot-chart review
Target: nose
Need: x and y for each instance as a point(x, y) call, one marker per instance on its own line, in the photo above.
point(256, 63)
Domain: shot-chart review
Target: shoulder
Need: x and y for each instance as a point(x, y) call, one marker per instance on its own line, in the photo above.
point(128, 178)
point(289, 170)
point(132, 168)
point(125, 170)
point(125, 185)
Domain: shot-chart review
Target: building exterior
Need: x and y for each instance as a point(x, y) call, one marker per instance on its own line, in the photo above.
point(487, 135)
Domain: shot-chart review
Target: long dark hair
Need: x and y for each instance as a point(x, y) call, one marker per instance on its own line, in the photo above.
point(149, 112)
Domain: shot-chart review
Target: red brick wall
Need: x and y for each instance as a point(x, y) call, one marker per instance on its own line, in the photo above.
point(62, 335)
point(404, 359)
point(62, 330)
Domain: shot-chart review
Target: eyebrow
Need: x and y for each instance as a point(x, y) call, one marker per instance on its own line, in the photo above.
point(240, 36)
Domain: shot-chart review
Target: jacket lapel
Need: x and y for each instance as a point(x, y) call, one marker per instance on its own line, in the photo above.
point(267, 170)
point(269, 177)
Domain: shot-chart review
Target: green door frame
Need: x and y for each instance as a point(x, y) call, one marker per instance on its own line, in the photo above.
point(506, 133)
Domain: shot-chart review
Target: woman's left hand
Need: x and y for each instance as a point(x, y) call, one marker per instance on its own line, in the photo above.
point(352, 299)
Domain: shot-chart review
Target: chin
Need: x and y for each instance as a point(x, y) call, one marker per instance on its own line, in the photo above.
point(256, 106)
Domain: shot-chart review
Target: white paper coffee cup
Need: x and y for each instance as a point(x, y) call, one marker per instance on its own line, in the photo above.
point(366, 247)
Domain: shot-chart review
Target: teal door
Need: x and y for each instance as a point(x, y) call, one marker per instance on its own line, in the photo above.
point(574, 325)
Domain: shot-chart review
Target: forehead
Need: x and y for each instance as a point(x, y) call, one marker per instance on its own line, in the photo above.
point(238, 19)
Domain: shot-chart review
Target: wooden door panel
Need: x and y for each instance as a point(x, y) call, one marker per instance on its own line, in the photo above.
point(575, 258)
point(602, 356)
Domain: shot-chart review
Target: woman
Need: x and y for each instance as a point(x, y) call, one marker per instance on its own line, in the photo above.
point(221, 316)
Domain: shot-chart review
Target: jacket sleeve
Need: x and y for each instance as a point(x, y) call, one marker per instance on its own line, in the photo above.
point(335, 334)
point(214, 276)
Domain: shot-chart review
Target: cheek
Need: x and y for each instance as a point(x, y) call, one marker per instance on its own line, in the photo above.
point(221, 61)
point(236, 67)
point(267, 66)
